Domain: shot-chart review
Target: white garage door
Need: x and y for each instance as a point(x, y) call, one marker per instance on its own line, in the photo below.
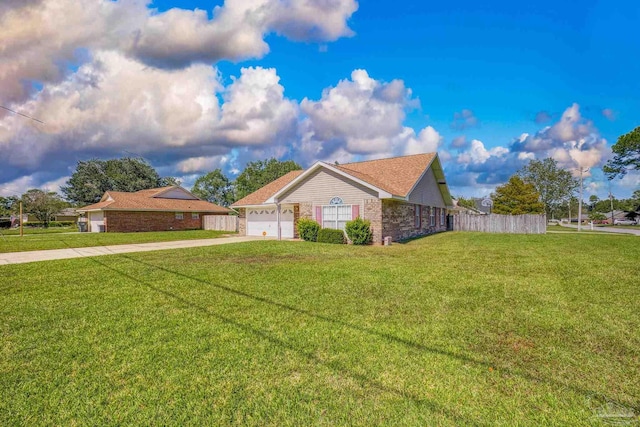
point(260, 220)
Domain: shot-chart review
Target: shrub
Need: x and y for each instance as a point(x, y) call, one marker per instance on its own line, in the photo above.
point(308, 229)
point(5, 223)
point(359, 231)
point(330, 235)
point(38, 224)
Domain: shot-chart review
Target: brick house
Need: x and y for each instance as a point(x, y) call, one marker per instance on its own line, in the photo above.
point(156, 209)
point(403, 197)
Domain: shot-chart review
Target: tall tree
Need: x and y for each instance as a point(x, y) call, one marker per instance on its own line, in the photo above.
point(554, 184)
point(43, 205)
point(8, 205)
point(517, 197)
point(93, 177)
point(627, 155)
point(214, 187)
point(259, 173)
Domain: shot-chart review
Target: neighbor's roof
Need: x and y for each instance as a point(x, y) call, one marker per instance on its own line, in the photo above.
point(396, 176)
point(260, 196)
point(152, 200)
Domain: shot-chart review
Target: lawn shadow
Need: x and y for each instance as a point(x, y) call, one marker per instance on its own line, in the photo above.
point(332, 365)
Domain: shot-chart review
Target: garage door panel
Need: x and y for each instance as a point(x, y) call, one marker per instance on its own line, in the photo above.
point(263, 220)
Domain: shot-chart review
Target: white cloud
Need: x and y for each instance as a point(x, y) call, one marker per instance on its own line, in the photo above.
point(41, 38)
point(361, 115)
point(428, 141)
point(255, 111)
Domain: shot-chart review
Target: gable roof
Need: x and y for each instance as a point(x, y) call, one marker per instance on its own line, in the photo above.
point(152, 200)
point(261, 195)
point(394, 177)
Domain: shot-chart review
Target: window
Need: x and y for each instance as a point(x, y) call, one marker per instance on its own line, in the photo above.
point(442, 216)
point(179, 215)
point(336, 216)
point(195, 215)
point(417, 216)
point(432, 216)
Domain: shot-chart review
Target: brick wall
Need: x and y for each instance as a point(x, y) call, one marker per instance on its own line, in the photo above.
point(122, 221)
point(373, 213)
point(398, 221)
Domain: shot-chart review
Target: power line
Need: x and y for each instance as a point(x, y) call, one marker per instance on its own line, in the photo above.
point(23, 115)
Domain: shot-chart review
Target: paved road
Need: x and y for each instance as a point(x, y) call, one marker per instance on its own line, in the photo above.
point(52, 254)
point(605, 229)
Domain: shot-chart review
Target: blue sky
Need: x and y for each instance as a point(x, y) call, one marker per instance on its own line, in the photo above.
point(319, 80)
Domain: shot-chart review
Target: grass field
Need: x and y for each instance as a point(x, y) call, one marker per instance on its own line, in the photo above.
point(37, 230)
point(453, 329)
point(53, 240)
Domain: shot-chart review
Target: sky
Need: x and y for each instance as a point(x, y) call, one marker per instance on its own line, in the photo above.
point(195, 85)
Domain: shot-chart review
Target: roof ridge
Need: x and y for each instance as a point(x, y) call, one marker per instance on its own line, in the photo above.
point(385, 158)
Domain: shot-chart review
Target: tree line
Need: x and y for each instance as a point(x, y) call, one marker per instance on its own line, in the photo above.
point(92, 178)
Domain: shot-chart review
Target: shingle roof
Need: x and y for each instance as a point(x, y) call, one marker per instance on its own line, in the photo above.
point(396, 175)
point(260, 196)
point(144, 201)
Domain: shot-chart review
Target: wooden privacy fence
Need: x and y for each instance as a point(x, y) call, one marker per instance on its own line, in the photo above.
point(494, 223)
point(220, 222)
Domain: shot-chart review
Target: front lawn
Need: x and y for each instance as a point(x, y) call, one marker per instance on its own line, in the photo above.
point(35, 242)
point(453, 329)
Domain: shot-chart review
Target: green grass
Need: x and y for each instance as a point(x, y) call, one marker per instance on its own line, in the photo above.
point(37, 242)
point(37, 230)
point(453, 329)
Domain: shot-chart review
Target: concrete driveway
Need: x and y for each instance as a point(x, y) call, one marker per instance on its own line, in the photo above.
point(53, 254)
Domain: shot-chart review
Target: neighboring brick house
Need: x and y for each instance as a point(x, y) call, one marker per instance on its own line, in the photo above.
point(403, 197)
point(156, 209)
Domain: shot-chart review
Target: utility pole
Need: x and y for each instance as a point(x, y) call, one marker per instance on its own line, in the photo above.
point(582, 171)
point(611, 200)
point(21, 218)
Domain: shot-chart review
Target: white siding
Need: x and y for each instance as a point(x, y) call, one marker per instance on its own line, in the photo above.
point(427, 192)
point(323, 185)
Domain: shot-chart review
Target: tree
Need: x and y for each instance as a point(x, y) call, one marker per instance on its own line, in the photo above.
point(169, 180)
point(467, 203)
point(43, 205)
point(554, 184)
point(627, 155)
point(93, 177)
point(516, 198)
point(259, 173)
point(214, 187)
point(8, 206)
point(597, 216)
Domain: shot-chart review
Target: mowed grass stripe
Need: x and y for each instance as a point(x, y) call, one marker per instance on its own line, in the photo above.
point(54, 240)
point(453, 329)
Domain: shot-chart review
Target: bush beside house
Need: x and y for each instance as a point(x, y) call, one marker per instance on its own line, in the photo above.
point(359, 231)
point(308, 229)
point(330, 235)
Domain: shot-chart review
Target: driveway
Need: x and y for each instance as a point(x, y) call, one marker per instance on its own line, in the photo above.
point(604, 229)
point(53, 254)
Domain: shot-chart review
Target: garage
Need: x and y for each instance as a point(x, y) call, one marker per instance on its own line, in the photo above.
point(265, 219)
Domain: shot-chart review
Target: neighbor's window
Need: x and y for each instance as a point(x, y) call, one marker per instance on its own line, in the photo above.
point(417, 216)
point(195, 215)
point(336, 216)
point(179, 215)
point(432, 215)
point(442, 211)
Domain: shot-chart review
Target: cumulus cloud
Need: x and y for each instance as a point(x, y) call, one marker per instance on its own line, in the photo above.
point(459, 142)
point(572, 141)
point(42, 37)
point(427, 141)
point(255, 111)
point(464, 119)
point(360, 115)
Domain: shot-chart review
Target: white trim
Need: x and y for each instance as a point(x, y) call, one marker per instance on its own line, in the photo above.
point(151, 210)
point(317, 165)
